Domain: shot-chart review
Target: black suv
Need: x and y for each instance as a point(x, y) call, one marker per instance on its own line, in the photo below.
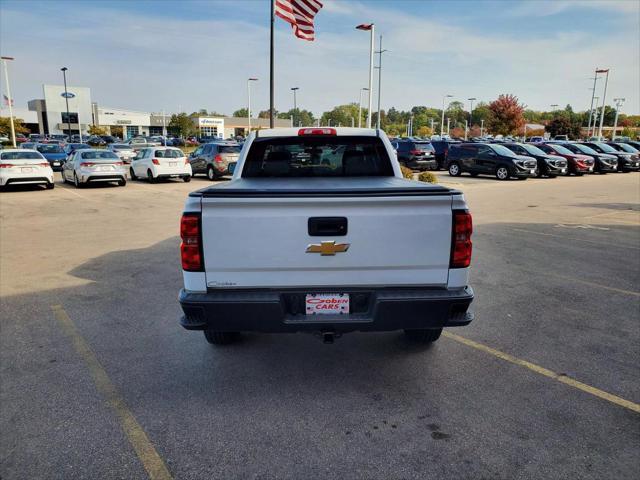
point(627, 162)
point(442, 149)
point(604, 162)
point(415, 154)
point(490, 159)
point(548, 165)
point(214, 159)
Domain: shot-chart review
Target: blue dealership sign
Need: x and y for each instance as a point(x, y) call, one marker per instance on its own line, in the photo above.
point(67, 95)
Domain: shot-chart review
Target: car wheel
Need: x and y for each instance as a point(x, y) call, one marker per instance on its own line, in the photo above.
point(502, 173)
point(186, 179)
point(122, 183)
point(211, 175)
point(424, 335)
point(50, 186)
point(76, 182)
point(150, 177)
point(132, 174)
point(454, 170)
point(221, 338)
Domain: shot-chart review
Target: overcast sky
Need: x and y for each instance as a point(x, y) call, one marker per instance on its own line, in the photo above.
point(154, 55)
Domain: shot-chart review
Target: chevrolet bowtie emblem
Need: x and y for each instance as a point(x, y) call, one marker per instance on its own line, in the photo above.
point(328, 248)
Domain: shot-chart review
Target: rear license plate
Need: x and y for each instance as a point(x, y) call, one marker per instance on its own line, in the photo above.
point(173, 164)
point(533, 172)
point(26, 169)
point(56, 164)
point(327, 303)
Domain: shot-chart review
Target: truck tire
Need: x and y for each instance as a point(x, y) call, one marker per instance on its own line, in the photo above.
point(221, 338)
point(454, 169)
point(424, 336)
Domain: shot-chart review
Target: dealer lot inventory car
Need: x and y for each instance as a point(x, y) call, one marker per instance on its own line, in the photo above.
point(624, 147)
point(415, 154)
point(214, 159)
point(489, 159)
point(22, 166)
point(94, 166)
point(627, 162)
point(549, 165)
point(578, 164)
point(160, 162)
point(604, 163)
point(122, 150)
point(70, 148)
point(54, 154)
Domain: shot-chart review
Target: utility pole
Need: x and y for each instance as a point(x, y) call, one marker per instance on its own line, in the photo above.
point(9, 99)
point(618, 102)
point(592, 130)
point(379, 67)
point(604, 100)
point(593, 93)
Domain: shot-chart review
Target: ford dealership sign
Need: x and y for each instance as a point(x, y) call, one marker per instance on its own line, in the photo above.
point(67, 95)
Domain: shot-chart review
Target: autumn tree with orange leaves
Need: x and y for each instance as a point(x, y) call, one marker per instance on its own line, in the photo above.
point(506, 117)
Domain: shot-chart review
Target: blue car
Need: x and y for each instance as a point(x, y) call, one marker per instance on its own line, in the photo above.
point(54, 154)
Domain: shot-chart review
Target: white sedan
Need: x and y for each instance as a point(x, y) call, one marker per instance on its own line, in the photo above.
point(22, 166)
point(93, 166)
point(160, 162)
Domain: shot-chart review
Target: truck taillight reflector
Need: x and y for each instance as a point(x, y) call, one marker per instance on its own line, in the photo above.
point(191, 246)
point(461, 239)
point(316, 131)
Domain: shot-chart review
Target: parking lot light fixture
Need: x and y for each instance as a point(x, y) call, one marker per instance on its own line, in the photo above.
point(618, 102)
point(249, 80)
point(371, 28)
point(66, 99)
point(604, 100)
point(444, 98)
point(295, 99)
point(9, 99)
point(472, 99)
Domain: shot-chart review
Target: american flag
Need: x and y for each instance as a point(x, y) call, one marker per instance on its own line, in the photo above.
point(6, 100)
point(299, 13)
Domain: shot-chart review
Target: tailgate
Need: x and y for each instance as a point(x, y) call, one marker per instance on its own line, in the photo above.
point(262, 241)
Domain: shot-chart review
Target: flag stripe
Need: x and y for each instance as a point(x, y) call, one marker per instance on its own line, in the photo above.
point(299, 14)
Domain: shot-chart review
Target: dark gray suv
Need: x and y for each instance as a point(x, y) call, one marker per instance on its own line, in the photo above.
point(214, 159)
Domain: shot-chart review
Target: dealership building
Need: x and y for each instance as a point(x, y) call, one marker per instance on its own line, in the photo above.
point(48, 115)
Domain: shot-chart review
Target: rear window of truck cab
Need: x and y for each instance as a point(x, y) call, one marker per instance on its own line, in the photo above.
point(317, 156)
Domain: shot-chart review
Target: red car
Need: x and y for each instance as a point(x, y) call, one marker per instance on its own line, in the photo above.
point(20, 138)
point(578, 164)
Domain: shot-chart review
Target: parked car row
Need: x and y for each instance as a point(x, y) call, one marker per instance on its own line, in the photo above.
point(548, 159)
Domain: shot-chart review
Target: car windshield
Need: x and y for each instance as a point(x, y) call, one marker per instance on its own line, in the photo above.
point(502, 150)
point(627, 148)
point(605, 148)
point(20, 156)
point(585, 149)
point(50, 148)
point(98, 155)
point(561, 149)
point(169, 153)
point(228, 149)
point(120, 147)
point(533, 150)
point(317, 156)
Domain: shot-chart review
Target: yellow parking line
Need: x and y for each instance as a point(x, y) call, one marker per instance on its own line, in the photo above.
point(597, 285)
point(547, 373)
point(152, 462)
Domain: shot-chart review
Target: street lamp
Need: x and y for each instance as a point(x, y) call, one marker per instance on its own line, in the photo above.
point(295, 100)
point(371, 27)
point(9, 99)
point(249, 80)
point(442, 121)
point(618, 102)
point(365, 89)
point(604, 99)
point(66, 99)
point(379, 67)
point(592, 130)
point(472, 99)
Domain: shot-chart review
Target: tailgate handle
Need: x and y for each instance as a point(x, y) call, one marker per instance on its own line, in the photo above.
point(327, 226)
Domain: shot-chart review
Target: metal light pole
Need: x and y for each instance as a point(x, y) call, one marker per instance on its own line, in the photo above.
point(164, 129)
point(295, 99)
point(618, 102)
point(66, 99)
point(604, 99)
point(442, 120)
point(592, 130)
point(481, 127)
point(249, 80)
point(593, 93)
point(466, 128)
point(372, 28)
point(360, 107)
point(448, 126)
point(379, 67)
point(472, 99)
point(9, 99)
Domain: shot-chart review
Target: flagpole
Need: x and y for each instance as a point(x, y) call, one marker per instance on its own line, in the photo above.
point(9, 99)
point(271, 68)
point(371, 50)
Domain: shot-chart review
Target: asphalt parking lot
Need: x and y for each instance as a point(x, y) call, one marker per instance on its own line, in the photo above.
point(98, 380)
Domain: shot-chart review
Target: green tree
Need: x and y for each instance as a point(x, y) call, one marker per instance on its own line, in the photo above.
point(564, 124)
point(96, 130)
point(182, 125)
point(342, 115)
point(18, 125)
point(506, 117)
point(243, 112)
point(300, 117)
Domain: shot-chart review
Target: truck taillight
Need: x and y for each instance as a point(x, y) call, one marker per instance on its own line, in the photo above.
point(155, 161)
point(461, 239)
point(191, 246)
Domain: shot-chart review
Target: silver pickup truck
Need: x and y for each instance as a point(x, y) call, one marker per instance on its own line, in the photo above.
point(318, 232)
